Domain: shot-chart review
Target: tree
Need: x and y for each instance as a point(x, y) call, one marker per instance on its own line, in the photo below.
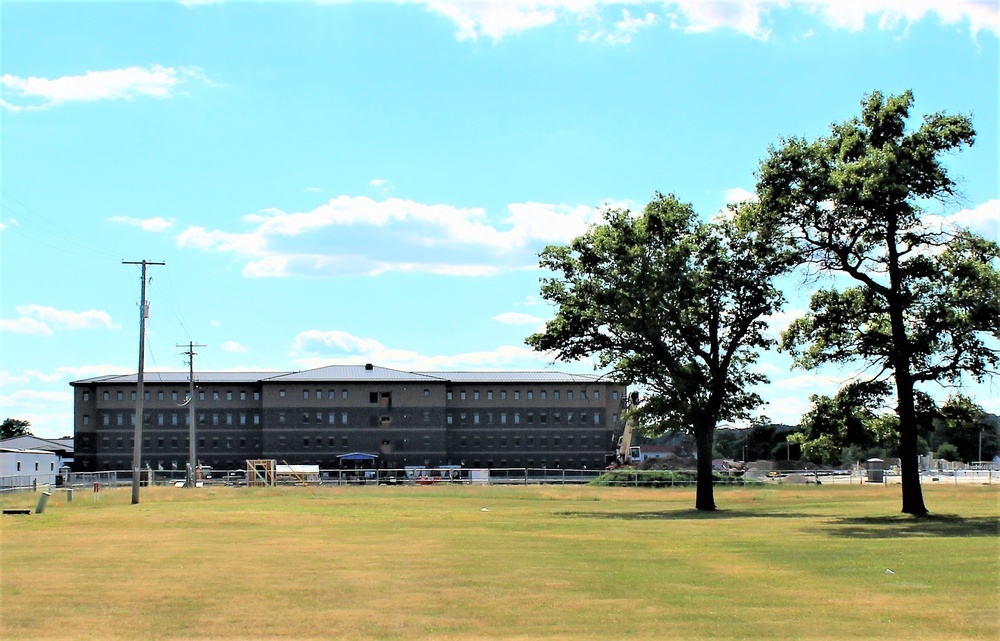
point(963, 424)
point(12, 427)
point(847, 424)
point(925, 298)
point(673, 304)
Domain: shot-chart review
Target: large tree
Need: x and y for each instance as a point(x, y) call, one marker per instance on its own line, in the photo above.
point(12, 427)
point(671, 303)
point(924, 299)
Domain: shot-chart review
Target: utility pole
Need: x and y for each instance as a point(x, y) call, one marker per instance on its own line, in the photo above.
point(143, 314)
point(192, 452)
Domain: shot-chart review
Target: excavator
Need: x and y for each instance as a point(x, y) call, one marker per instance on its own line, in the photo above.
point(627, 454)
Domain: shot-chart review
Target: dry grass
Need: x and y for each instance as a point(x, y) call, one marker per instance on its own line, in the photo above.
point(566, 562)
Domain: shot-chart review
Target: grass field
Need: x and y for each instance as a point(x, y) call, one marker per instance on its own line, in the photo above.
point(800, 562)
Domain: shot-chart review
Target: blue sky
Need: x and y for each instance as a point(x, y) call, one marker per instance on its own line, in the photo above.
point(350, 182)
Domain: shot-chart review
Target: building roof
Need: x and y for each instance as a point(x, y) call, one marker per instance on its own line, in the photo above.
point(31, 442)
point(350, 373)
point(546, 376)
point(177, 378)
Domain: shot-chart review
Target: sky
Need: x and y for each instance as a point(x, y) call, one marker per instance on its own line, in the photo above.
point(347, 182)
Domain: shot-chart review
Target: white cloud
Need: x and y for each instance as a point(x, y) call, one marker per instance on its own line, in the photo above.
point(78, 372)
point(24, 325)
point(891, 14)
point(397, 235)
point(738, 195)
point(155, 224)
point(33, 399)
point(6, 378)
point(497, 19)
point(233, 346)
point(115, 84)
point(312, 189)
point(984, 219)
point(697, 16)
point(515, 318)
point(67, 319)
point(319, 348)
point(378, 182)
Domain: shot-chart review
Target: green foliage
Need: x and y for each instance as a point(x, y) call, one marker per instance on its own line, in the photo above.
point(672, 303)
point(12, 427)
point(925, 305)
point(624, 477)
point(947, 451)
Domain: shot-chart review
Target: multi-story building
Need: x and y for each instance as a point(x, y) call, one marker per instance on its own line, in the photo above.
point(474, 419)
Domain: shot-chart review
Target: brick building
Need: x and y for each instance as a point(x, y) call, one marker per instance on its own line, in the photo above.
point(474, 419)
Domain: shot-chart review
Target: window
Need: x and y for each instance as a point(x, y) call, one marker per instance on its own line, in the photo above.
point(173, 396)
point(86, 419)
point(121, 418)
point(305, 417)
point(449, 419)
point(427, 416)
point(517, 418)
point(243, 396)
point(86, 396)
point(281, 417)
point(531, 395)
point(614, 419)
point(319, 394)
point(614, 396)
point(475, 395)
point(461, 395)
point(201, 396)
point(503, 418)
point(319, 417)
point(450, 395)
point(555, 417)
point(489, 395)
point(256, 396)
point(597, 418)
point(331, 394)
point(132, 395)
point(106, 419)
point(215, 418)
point(107, 396)
point(427, 393)
point(555, 395)
point(332, 418)
point(373, 397)
point(583, 395)
point(343, 394)
point(503, 395)
point(475, 418)
point(543, 417)
point(530, 417)
point(281, 393)
point(159, 396)
point(597, 394)
point(541, 395)
point(343, 418)
point(243, 418)
point(517, 395)
point(256, 419)
point(569, 395)
point(160, 419)
point(463, 417)
point(569, 417)
point(305, 395)
point(215, 396)
point(229, 396)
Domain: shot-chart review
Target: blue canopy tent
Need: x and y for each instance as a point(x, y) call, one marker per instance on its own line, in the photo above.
point(360, 460)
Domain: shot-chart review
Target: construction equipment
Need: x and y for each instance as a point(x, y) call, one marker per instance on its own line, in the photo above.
point(626, 453)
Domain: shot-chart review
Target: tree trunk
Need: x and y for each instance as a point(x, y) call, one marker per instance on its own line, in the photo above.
point(913, 497)
point(704, 437)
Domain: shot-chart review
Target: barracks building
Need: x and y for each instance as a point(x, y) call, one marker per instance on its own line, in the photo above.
point(473, 419)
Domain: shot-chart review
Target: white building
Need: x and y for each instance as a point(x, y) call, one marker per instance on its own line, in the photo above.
point(27, 468)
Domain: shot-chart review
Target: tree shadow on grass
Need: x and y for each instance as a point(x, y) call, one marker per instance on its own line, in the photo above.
point(905, 526)
point(685, 515)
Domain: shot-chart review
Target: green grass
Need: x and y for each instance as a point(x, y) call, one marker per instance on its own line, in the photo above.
point(798, 562)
